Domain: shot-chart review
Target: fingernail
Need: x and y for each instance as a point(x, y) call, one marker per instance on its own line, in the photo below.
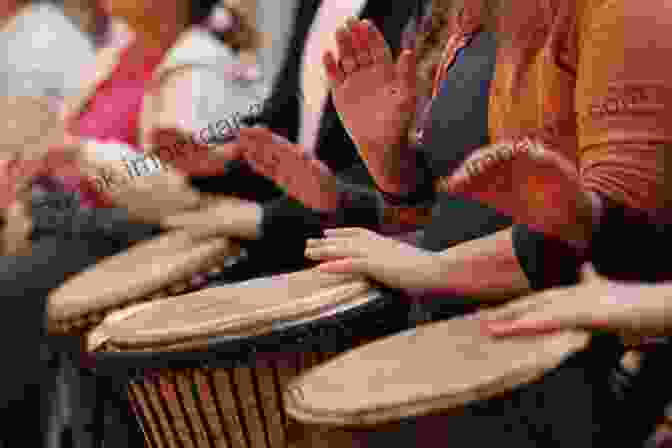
point(492, 328)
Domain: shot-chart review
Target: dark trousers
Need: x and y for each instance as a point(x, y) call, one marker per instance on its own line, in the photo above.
point(28, 372)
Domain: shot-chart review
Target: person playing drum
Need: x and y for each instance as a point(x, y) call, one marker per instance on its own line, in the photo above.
point(169, 57)
point(618, 159)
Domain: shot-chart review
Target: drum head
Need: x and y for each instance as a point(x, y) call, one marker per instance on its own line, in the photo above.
point(142, 270)
point(426, 370)
point(241, 310)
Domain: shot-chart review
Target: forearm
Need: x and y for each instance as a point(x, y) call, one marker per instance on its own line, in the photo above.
point(486, 269)
point(404, 169)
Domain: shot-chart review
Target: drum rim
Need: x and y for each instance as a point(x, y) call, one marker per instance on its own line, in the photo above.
point(216, 248)
point(400, 410)
point(226, 351)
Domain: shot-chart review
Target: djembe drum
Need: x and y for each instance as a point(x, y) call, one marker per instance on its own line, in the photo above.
point(164, 266)
point(440, 373)
point(207, 369)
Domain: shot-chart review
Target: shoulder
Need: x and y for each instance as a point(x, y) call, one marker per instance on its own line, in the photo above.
point(50, 28)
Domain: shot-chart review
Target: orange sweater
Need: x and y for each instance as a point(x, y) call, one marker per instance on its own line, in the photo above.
point(590, 75)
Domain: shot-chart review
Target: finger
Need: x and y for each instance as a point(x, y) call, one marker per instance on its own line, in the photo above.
point(229, 151)
point(332, 252)
point(406, 68)
point(515, 309)
point(552, 317)
point(346, 51)
point(335, 74)
point(522, 328)
point(345, 266)
point(380, 51)
point(455, 183)
point(350, 22)
point(316, 242)
point(260, 134)
point(331, 242)
point(360, 34)
point(345, 232)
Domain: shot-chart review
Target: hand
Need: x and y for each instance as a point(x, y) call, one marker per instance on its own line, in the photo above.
point(596, 303)
point(376, 100)
point(16, 228)
point(153, 198)
point(174, 148)
point(291, 167)
point(533, 184)
point(227, 217)
point(360, 251)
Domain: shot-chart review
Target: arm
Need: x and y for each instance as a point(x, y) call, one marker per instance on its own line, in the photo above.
point(624, 103)
point(486, 268)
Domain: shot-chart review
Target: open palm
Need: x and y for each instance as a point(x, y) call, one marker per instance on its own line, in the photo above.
point(375, 99)
point(291, 167)
point(531, 183)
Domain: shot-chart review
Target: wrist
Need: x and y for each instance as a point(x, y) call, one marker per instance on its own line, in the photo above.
point(580, 232)
point(394, 165)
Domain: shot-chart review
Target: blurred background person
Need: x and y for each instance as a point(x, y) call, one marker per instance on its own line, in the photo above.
point(163, 74)
point(44, 52)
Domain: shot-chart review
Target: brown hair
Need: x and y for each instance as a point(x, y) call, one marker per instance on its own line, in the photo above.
point(430, 40)
point(431, 37)
point(243, 35)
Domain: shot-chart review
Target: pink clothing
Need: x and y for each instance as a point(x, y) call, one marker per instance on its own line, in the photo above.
point(112, 114)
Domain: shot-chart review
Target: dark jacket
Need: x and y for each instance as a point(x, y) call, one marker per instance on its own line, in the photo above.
point(281, 113)
point(286, 222)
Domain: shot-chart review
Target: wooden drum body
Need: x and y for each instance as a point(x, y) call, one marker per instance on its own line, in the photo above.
point(161, 267)
point(208, 369)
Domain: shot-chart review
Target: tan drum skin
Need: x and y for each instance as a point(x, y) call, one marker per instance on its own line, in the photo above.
point(238, 406)
point(150, 270)
point(428, 370)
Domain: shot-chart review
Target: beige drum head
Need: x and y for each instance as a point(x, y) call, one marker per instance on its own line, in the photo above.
point(248, 308)
point(430, 369)
point(134, 275)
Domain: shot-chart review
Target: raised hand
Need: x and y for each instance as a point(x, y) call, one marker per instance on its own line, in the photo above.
point(191, 157)
point(360, 251)
point(291, 167)
point(375, 99)
point(533, 184)
point(596, 303)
